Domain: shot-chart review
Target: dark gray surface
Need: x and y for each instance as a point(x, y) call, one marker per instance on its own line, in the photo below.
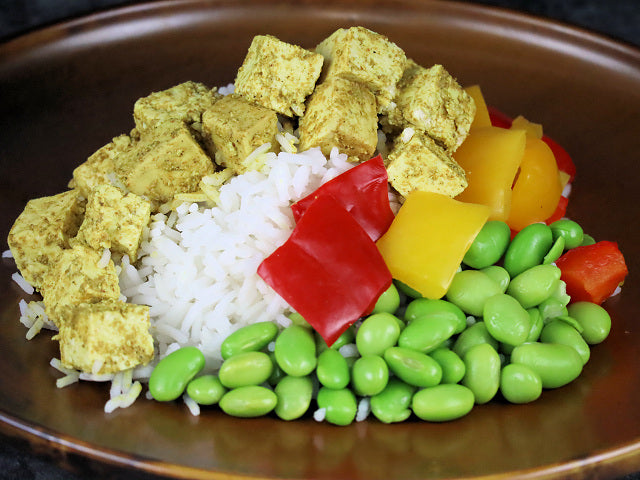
point(619, 19)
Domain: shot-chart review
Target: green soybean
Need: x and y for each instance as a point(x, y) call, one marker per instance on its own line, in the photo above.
point(340, 405)
point(442, 403)
point(489, 245)
point(469, 289)
point(555, 252)
point(587, 240)
point(535, 285)
point(506, 320)
point(277, 374)
point(474, 335)
point(425, 334)
point(413, 367)
point(569, 230)
point(528, 248)
point(295, 351)
point(555, 363)
point(346, 337)
point(519, 383)
point(389, 301)
point(393, 403)
point(206, 390)
point(249, 401)
point(482, 372)
point(451, 364)
point(332, 369)
point(499, 275)
point(297, 319)
point(406, 289)
point(294, 397)
point(369, 375)
point(552, 308)
point(594, 319)
point(536, 322)
point(557, 331)
point(247, 368)
point(174, 372)
point(423, 307)
point(249, 338)
point(377, 333)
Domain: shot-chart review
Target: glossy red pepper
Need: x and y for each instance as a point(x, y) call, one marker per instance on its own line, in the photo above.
point(329, 270)
point(363, 191)
point(593, 272)
point(560, 211)
point(563, 159)
point(498, 118)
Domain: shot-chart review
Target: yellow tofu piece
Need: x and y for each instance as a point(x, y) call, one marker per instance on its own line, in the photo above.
point(363, 56)
point(114, 220)
point(278, 75)
point(236, 128)
point(418, 163)
point(105, 337)
point(42, 231)
point(432, 101)
point(341, 113)
point(166, 161)
point(78, 277)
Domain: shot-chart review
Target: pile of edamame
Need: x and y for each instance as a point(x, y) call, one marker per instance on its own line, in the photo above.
point(505, 328)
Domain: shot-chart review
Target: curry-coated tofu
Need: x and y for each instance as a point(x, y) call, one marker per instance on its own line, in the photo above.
point(42, 231)
point(114, 220)
point(341, 113)
point(363, 56)
point(166, 161)
point(418, 163)
point(278, 75)
point(431, 100)
point(236, 128)
point(78, 276)
point(105, 337)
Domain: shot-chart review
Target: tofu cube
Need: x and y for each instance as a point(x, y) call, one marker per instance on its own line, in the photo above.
point(363, 56)
point(105, 337)
point(78, 277)
point(113, 220)
point(278, 75)
point(41, 232)
point(342, 114)
point(432, 101)
point(419, 163)
point(236, 128)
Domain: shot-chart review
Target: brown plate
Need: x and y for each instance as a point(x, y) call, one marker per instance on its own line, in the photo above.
point(66, 90)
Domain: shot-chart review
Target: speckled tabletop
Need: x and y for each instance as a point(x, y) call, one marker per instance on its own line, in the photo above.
point(619, 19)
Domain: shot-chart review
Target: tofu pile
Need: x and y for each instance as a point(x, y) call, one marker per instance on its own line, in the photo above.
point(189, 139)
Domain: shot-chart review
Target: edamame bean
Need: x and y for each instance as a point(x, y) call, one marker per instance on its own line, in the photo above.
point(442, 403)
point(413, 367)
point(506, 320)
point(340, 406)
point(520, 384)
point(249, 401)
point(587, 240)
point(556, 364)
point(295, 351)
point(392, 404)
point(499, 275)
point(469, 289)
point(277, 374)
point(406, 289)
point(172, 374)
point(537, 323)
point(557, 331)
point(594, 319)
point(348, 336)
point(247, 368)
point(333, 370)
point(489, 245)
point(535, 285)
point(297, 319)
point(552, 308)
point(388, 302)
point(569, 230)
point(250, 338)
point(294, 397)
point(451, 364)
point(369, 375)
point(425, 334)
point(377, 333)
point(423, 307)
point(528, 248)
point(473, 335)
point(206, 390)
point(555, 252)
point(482, 372)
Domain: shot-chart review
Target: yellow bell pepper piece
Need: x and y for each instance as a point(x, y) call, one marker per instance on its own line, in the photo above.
point(481, 118)
point(531, 129)
point(426, 241)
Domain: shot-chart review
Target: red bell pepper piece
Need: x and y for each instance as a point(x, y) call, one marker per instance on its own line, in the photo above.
point(592, 272)
point(560, 211)
point(363, 191)
point(563, 159)
point(329, 270)
point(498, 118)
